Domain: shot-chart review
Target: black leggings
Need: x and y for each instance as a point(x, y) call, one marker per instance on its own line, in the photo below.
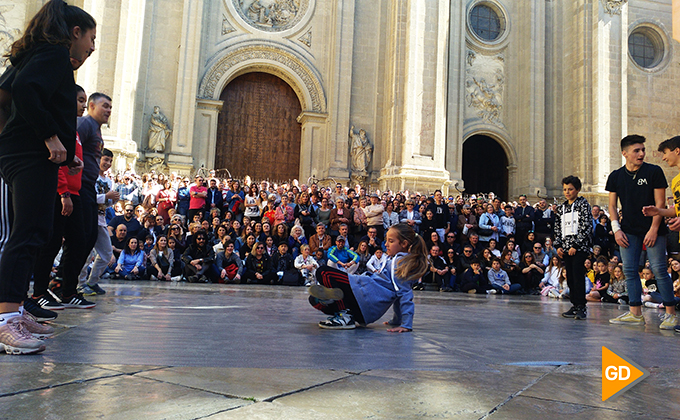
point(336, 279)
point(32, 180)
point(71, 229)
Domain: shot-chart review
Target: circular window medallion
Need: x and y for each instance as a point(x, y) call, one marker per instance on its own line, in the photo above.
point(646, 47)
point(272, 15)
point(487, 22)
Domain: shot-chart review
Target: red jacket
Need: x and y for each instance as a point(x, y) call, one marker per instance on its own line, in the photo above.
point(71, 183)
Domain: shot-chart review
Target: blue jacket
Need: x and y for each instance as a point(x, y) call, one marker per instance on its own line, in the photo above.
point(344, 255)
point(377, 292)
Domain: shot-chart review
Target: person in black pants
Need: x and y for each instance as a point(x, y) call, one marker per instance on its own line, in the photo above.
point(573, 233)
point(39, 136)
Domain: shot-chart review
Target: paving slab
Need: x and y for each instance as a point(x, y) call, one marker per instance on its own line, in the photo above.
point(257, 384)
point(22, 377)
point(124, 397)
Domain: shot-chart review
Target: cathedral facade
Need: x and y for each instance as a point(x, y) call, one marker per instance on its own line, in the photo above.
point(506, 96)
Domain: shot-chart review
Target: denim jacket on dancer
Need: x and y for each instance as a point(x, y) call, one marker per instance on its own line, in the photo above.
point(377, 292)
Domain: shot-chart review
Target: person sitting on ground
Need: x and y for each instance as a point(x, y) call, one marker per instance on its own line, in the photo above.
point(307, 265)
point(473, 240)
point(540, 257)
point(532, 274)
point(602, 280)
point(131, 260)
point(377, 262)
point(617, 292)
point(161, 260)
point(283, 263)
point(372, 240)
point(438, 271)
point(199, 259)
point(320, 258)
point(550, 284)
point(364, 255)
point(473, 279)
point(500, 281)
point(296, 240)
point(230, 265)
point(513, 249)
point(259, 267)
point(342, 258)
point(320, 239)
point(245, 249)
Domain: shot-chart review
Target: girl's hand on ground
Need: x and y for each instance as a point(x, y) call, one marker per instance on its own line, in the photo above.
point(398, 329)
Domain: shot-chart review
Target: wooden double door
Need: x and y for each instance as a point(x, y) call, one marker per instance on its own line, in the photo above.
point(258, 133)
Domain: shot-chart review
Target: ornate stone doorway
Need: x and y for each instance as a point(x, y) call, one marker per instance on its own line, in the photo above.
point(485, 167)
point(258, 133)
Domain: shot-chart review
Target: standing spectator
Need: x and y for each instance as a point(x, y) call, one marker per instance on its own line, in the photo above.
point(198, 194)
point(467, 223)
point(544, 221)
point(304, 212)
point(410, 216)
point(374, 216)
point(489, 226)
point(524, 217)
point(390, 217)
point(440, 211)
point(214, 199)
point(166, 199)
point(507, 225)
point(183, 198)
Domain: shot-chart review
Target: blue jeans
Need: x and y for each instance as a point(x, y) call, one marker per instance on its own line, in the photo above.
point(657, 260)
point(514, 288)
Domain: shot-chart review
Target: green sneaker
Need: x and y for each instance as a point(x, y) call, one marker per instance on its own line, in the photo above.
point(670, 322)
point(628, 319)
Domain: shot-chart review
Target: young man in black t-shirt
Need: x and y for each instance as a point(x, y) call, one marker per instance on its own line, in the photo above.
point(440, 210)
point(638, 184)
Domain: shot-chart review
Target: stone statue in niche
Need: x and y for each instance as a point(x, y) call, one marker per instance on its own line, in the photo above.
point(360, 152)
point(159, 130)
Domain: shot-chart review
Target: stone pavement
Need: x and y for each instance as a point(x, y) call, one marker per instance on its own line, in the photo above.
point(185, 351)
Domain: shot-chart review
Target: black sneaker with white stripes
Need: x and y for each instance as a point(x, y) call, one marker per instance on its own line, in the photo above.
point(47, 301)
point(77, 301)
point(40, 314)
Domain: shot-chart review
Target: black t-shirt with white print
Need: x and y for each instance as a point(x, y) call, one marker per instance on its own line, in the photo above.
point(636, 190)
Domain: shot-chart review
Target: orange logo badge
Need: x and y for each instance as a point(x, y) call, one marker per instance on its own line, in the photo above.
point(618, 374)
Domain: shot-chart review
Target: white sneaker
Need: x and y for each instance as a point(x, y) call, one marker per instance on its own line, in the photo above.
point(652, 305)
point(491, 292)
point(176, 278)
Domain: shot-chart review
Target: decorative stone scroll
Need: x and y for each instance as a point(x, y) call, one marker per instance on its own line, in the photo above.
point(484, 84)
point(613, 7)
point(268, 59)
point(271, 15)
point(7, 35)
point(306, 38)
point(226, 26)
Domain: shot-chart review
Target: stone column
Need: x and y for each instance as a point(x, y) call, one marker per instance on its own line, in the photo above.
point(187, 80)
point(455, 117)
point(340, 83)
point(313, 133)
point(204, 138)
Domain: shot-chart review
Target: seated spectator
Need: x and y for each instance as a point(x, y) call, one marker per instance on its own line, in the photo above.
point(617, 292)
point(307, 265)
point(411, 216)
point(427, 225)
point(119, 240)
point(528, 242)
point(372, 240)
point(296, 240)
point(450, 243)
point(438, 271)
point(550, 285)
point(161, 259)
point(320, 257)
point(540, 257)
point(259, 267)
point(342, 258)
point(500, 281)
point(485, 258)
point(364, 256)
point(512, 249)
point(320, 239)
point(466, 258)
point(176, 232)
point(473, 279)
point(509, 265)
point(344, 232)
point(280, 234)
point(133, 226)
point(247, 247)
point(230, 265)
point(531, 274)
point(283, 265)
point(433, 240)
point(473, 240)
point(377, 262)
point(270, 246)
point(199, 260)
point(130, 263)
point(177, 266)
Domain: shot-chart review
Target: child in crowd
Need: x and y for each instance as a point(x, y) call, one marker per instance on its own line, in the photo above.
point(307, 265)
point(499, 280)
point(651, 297)
point(320, 257)
point(282, 261)
point(601, 283)
point(377, 262)
point(617, 292)
point(564, 285)
point(551, 280)
point(365, 299)
point(473, 280)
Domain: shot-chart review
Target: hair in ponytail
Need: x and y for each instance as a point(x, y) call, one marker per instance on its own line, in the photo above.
point(52, 24)
point(414, 265)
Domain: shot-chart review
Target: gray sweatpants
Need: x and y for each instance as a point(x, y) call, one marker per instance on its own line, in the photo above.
point(104, 254)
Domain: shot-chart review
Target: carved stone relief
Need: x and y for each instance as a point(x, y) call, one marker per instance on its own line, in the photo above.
point(306, 38)
point(613, 7)
point(271, 15)
point(7, 34)
point(484, 83)
point(226, 26)
point(264, 54)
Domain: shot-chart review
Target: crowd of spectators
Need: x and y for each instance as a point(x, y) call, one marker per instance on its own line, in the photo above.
point(173, 228)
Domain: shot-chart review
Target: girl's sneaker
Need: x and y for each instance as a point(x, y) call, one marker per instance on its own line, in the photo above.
point(343, 320)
